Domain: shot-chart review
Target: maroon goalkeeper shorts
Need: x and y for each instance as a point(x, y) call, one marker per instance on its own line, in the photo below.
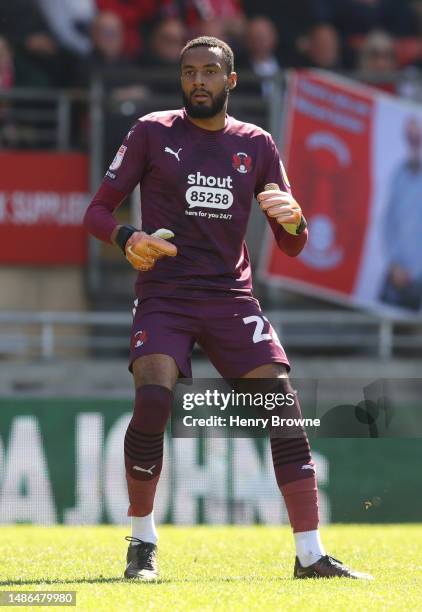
point(232, 331)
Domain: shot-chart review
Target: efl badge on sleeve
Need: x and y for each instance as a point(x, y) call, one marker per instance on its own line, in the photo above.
point(117, 161)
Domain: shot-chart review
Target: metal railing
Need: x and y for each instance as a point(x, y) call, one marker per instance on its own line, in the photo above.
point(38, 118)
point(298, 330)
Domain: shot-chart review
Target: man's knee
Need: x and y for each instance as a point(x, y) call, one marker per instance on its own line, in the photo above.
point(156, 369)
point(144, 440)
point(153, 405)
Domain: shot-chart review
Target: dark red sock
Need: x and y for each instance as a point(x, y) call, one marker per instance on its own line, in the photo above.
point(301, 499)
point(295, 471)
point(144, 446)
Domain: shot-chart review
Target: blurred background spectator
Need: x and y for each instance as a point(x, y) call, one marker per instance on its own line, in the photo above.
point(47, 37)
point(70, 21)
point(292, 18)
point(38, 59)
point(7, 70)
point(163, 51)
point(377, 60)
point(107, 58)
point(165, 43)
point(261, 44)
point(62, 43)
point(319, 48)
point(222, 18)
point(377, 53)
point(7, 81)
point(416, 6)
point(136, 16)
point(211, 27)
point(106, 43)
point(352, 17)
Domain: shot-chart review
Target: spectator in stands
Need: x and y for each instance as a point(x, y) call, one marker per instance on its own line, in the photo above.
point(126, 95)
point(377, 53)
point(416, 7)
point(19, 21)
point(107, 57)
point(165, 44)
point(222, 18)
point(261, 43)
point(164, 47)
point(354, 17)
point(292, 18)
point(107, 54)
point(107, 41)
point(38, 59)
point(15, 71)
point(7, 81)
point(70, 22)
point(319, 48)
point(210, 27)
point(377, 60)
point(136, 16)
point(7, 70)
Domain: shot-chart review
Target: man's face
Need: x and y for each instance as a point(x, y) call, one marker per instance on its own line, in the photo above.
point(205, 82)
point(107, 35)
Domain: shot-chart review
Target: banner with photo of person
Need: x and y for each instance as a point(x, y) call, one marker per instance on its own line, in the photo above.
point(354, 160)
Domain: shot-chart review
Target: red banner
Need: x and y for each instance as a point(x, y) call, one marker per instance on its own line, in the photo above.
point(43, 197)
point(327, 150)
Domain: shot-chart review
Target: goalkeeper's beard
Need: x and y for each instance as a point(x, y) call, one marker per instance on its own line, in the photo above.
point(199, 111)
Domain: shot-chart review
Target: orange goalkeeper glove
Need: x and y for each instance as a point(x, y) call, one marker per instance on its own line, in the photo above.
point(143, 250)
point(283, 208)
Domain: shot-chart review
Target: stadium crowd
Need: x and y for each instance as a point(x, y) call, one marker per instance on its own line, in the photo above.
point(55, 44)
point(47, 43)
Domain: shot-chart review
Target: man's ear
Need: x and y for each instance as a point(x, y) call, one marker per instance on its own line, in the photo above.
point(232, 80)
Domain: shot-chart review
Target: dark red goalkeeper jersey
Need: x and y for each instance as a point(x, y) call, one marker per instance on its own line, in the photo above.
point(199, 184)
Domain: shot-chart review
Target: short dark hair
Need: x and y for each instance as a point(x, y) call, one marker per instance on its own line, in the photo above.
point(211, 41)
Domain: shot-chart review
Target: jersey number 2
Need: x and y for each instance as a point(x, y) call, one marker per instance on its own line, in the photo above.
point(258, 336)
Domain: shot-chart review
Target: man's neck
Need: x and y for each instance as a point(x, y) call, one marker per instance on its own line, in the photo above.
point(212, 124)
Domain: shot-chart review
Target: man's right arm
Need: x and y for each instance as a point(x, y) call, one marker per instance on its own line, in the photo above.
point(125, 172)
point(99, 219)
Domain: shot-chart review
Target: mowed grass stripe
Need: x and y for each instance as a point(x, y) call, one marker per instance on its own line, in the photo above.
point(216, 568)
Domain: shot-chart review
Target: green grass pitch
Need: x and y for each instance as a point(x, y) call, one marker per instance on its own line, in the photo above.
point(215, 568)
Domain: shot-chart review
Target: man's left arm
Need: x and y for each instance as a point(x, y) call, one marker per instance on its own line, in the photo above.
point(275, 198)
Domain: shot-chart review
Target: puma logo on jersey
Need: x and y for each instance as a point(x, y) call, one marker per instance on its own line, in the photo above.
point(176, 155)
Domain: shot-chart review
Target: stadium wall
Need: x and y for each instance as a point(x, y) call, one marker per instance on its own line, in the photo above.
point(61, 461)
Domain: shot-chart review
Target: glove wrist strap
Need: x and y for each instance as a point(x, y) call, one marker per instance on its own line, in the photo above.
point(123, 235)
point(302, 226)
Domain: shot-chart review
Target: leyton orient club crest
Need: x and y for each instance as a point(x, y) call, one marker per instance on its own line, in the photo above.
point(242, 162)
point(140, 338)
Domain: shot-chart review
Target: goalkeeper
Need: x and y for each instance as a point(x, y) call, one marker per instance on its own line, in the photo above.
point(199, 169)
